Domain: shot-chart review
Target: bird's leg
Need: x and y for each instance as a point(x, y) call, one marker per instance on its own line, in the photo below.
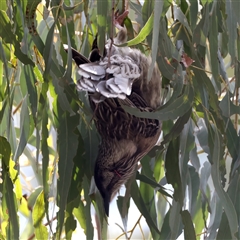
point(118, 21)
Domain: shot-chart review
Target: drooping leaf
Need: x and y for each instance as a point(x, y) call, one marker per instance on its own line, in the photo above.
point(154, 184)
point(26, 126)
point(189, 232)
point(103, 18)
point(145, 31)
point(136, 196)
point(226, 201)
point(67, 148)
point(158, 7)
point(9, 37)
point(9, 203)
point(231, 25)
point(41, 231)
point(177, 108)
point(175, 220)
point(178, 127)
point(178, 15)
point(214, 46)
point(173, 171)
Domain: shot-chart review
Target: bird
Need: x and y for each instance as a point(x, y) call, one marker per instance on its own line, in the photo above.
point(119, 78)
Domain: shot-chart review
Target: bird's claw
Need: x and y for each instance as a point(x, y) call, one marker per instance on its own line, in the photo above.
point(119, 19)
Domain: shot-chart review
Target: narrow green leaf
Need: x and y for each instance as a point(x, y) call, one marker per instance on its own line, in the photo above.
point(9, 203)
point(87, 209)
point(102, 21)
point(38, 214)
point(237, 74)
point(215, 216)
point(74, 203)
point(187, 140)
point(137, 198)
point(137, 8)
point(202, 29)
point(67, 142)
point(202, 135)
point(79, 213)
point(226, 201)
point(59, 87)
point(154, 184)
point(166, 230)
point(147, 193)
point(213, 45)
point(174, 219)
point(145, 31)
point(178, 14)
point(234, 193)
point(193, 189)
point(178, 127)
point(224, 231)
point(193, 13)
point(227, 107)
point(204, 188)
point(123, 206)
point(9, 37)
point(158, 7)
point(189, 232)
point(68, 73)
point(33, 196)
point(232, 29)
point(48, 49)
point(70, 226)
point(147, 10)
point(176, 109)
point(204, 86)
point(173, 171)
point(194, 158)
point(32, 90)
point(5, 150)
point(10, 207)
point(26, 126)
point(177, 81)
point(42, 111)
point(4, 56)
point(232, 140)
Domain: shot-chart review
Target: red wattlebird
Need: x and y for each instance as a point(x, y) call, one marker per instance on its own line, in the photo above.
point(115, 79)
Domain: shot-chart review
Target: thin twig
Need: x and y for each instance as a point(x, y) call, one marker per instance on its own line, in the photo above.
point(138, 221)
point(141, 230)
point(98, 226)
point(122, 234)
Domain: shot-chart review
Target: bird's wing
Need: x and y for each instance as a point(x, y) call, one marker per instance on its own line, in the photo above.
point(78, 57)
point(113, 122)
point(111, 78)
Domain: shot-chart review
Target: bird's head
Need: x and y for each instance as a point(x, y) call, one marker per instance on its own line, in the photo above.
point(112, 170)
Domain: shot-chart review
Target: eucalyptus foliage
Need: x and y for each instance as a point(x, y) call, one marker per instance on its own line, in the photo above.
point(188, 184)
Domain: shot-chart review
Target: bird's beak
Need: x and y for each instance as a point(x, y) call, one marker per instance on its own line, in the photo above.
point(106, 202)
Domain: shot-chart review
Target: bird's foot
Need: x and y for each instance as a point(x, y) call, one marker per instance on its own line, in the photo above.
point(119, 19)
point(118, 22)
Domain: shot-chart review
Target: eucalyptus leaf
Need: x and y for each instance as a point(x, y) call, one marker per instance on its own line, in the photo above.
point(38, 215)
